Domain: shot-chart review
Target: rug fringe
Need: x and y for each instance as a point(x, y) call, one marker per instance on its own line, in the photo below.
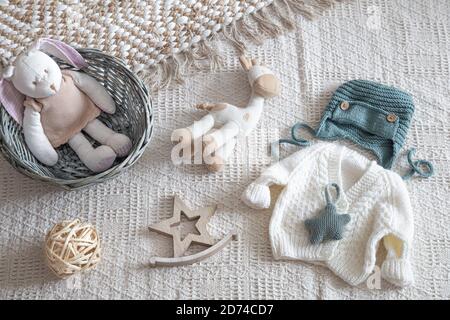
point(265, 25)
point(268, 22)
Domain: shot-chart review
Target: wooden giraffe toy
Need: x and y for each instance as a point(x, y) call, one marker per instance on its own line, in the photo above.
point(224, 122)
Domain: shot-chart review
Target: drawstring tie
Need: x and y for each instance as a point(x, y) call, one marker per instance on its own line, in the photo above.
point(417, 166)
point(295, 140)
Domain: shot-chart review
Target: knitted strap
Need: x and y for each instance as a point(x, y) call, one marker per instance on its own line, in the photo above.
point(417, 166)
point(328, 194)
point(295, 140)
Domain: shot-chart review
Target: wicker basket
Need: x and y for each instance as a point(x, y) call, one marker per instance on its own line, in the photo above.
point(133, 117)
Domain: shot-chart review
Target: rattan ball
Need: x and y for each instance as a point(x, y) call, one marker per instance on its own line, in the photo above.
point(71, 247)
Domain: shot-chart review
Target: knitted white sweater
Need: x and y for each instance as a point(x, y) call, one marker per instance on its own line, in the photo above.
point(376, 199)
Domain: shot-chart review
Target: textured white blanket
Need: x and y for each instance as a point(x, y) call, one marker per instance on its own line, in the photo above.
point(403, 42)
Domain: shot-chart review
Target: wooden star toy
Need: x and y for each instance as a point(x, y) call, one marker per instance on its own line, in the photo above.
point(170, 227)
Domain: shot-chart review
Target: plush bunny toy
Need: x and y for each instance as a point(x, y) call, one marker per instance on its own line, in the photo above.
point(59, 104)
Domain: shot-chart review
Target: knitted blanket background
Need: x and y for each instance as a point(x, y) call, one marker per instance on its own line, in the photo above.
point(158, 39)
point(399, 42)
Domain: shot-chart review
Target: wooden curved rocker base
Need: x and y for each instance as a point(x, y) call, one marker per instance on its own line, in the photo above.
point(186, 260)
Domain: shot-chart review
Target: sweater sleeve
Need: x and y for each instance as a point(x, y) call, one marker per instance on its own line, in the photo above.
point(396, 268)
point(257, 194)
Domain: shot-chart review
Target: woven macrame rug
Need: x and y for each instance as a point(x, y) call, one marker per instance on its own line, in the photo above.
point(158, 39)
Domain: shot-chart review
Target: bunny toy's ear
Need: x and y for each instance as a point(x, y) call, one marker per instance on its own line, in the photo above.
point(10, 97)
point(62, 51)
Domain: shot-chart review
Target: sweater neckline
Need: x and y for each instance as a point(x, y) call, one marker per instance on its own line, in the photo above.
point(364, 182)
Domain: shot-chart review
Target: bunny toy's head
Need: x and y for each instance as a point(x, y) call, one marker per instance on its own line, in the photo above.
point(263, 81)
point(35, 74)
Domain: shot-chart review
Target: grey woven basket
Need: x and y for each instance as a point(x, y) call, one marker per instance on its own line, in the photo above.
point(133, 117)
